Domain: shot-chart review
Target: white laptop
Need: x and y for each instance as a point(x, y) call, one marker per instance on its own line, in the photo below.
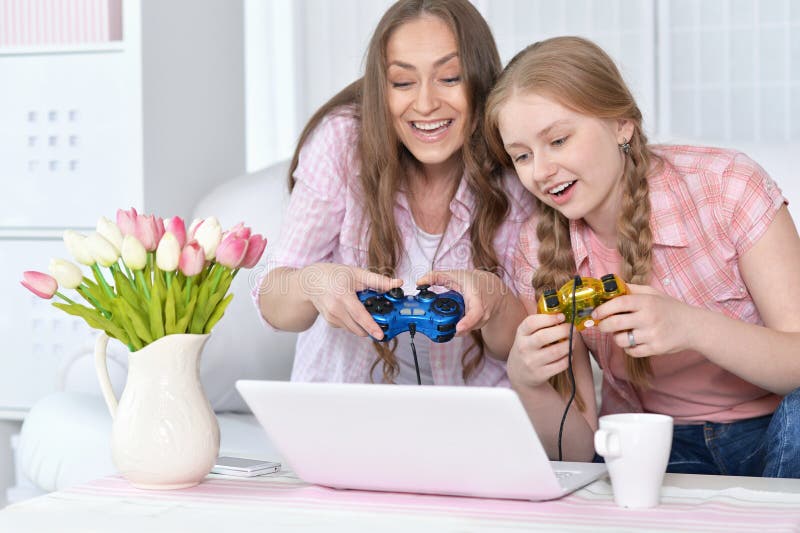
point(466, 441)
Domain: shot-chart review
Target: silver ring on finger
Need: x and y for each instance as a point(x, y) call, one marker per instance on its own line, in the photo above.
point(631, 339)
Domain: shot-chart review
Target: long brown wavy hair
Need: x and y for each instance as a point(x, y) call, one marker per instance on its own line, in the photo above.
point(384, 159)
point(579, 75)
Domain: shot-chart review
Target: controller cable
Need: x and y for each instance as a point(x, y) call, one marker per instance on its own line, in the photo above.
point(412, 330)
point(576, 281)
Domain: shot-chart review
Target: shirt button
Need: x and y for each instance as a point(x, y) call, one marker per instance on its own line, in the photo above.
point(667, 281)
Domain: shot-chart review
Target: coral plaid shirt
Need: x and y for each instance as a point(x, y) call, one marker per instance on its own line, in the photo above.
point(325, 223)
point(709, 206)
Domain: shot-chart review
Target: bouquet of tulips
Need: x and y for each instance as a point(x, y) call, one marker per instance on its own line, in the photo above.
point(149, 278)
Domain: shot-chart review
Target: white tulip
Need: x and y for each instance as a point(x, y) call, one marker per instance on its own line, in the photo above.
point(168, 252)
point(192, 228)
point(76, 245)
point(133, 253)
point(110, 231)
point(67, 274)
point(101, 249)
point(208, 234)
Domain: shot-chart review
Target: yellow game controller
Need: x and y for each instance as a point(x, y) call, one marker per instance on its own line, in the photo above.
point(589, 293)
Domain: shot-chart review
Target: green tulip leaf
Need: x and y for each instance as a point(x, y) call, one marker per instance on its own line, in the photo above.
point(183, 323)
point(128, 293)
point(169, 312)
point(156, 319)
point(200, 313)
point(138, 321)
point(217, 314)
point(177, 297)
point(95, 320)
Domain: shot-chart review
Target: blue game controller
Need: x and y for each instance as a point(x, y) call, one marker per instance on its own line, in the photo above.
point(433, 315)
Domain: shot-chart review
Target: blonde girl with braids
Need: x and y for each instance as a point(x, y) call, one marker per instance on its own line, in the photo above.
point(711, 332)
point(390, 181)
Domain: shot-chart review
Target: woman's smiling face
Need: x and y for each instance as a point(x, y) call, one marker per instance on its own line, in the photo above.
point(425, 91)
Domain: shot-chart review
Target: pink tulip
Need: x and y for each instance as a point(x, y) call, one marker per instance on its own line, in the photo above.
point(147, 231)
point(160, 230)
point(192, 260)
point(40, 284)
point(126, 221)
point(231, 251)
point(177, 227)
point(240, 231)
point(255, 247)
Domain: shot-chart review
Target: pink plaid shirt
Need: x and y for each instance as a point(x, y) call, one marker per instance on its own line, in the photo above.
point(325, 223)
point(708, 207)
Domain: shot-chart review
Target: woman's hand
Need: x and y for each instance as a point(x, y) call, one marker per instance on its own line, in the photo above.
point(331, 288)
point(657, 323)
point(483, 294)
point(540, 350)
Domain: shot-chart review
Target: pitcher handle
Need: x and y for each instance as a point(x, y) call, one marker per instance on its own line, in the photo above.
point(101, 366)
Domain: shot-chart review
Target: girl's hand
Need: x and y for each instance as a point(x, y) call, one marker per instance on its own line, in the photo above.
point(659, 323)
point(331, 288)
point(540, 350)
point(483, 294)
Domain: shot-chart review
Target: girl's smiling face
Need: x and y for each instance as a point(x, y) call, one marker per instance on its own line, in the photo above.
point(569, 161)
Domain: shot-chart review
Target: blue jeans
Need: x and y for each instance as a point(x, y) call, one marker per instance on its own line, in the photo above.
point(767, 446)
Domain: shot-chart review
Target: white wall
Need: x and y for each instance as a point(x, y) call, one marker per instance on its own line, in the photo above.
point(330, 41)
point(721, 70)
point(299, 54)
point(193, 100)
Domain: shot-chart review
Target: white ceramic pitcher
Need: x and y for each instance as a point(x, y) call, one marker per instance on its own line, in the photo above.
point(165, 434)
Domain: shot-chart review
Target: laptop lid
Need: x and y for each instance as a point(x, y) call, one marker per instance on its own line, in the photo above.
point(467, 441)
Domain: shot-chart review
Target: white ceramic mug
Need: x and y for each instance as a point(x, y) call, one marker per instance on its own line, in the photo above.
point(636, 449)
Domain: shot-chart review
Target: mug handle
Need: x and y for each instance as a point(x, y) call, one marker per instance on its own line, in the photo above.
point(101, 366)
point(606, 443)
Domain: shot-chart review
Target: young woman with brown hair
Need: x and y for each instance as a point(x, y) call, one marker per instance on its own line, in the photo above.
point(390, 181)
point(710, 333)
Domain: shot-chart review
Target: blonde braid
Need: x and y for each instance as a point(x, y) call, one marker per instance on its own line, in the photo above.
point(556, 260)
point(556, 267)
point(635, 238)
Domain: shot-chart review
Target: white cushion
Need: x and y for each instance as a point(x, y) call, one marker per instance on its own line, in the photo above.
point(241, 346)
point(66, 440)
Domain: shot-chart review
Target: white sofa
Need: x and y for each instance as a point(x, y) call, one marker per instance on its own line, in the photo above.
point(65, 438)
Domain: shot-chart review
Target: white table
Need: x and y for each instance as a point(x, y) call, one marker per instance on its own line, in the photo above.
point(282, 502)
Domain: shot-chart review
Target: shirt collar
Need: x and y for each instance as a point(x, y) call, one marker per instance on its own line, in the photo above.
point(666, 214)
point(666, 218)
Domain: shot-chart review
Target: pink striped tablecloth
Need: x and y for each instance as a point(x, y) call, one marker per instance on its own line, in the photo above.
point(283, 502)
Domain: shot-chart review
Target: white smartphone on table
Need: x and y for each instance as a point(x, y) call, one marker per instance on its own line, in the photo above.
point(239, 466)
